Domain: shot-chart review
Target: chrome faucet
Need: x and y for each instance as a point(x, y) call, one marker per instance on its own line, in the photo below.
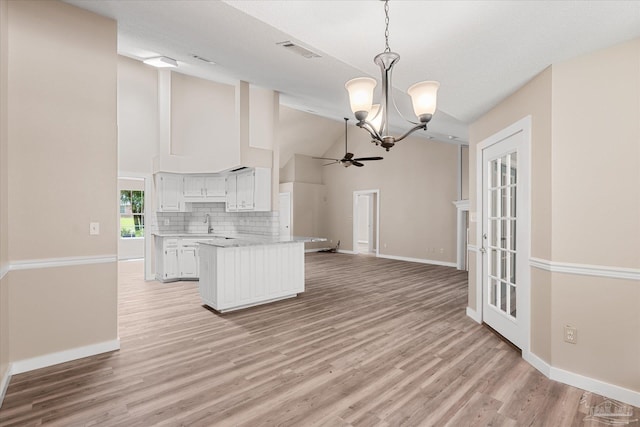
point(207, 220)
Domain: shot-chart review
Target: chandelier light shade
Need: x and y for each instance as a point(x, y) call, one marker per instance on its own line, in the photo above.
point(423, 97)
point(361, 94)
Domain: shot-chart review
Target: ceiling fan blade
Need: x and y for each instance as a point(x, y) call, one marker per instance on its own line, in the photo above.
point(356, 163)
point(348, 156)
point(325, 158)
point(364, 159)
point(332, 163)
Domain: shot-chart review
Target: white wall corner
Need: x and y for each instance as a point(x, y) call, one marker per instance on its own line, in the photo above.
point(474, 315)
point(51, 359)
point(4, 384)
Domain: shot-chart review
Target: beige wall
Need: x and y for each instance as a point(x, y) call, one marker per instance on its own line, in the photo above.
point(417, 182)
point(62, 146)
point(596, 212)
point(202, 117)
point(4, 202)
point(464, 172)
point(585, 208)
point(137, 115)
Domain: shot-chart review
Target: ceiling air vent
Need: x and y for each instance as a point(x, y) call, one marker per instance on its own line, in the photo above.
point(298, 50)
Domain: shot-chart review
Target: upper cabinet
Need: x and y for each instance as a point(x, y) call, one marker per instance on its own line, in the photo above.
point(204, 188)
point(169, 192)
point(249, 190)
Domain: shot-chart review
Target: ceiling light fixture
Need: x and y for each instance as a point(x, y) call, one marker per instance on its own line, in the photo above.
point(423, 96)
point(161, 62)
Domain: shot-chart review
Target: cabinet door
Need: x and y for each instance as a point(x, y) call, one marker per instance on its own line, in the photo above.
point(169, 193)
point(245, 191)
point(193, 187)
point(215, 186)
point(189, 262)
point(171, 263)
point(232, 194)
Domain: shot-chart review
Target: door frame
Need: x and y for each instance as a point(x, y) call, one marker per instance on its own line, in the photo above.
point(376, 206)
point(149, 273)
point(524, 241)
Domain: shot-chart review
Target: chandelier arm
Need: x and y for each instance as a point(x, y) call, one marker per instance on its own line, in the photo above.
point(410, 131)
point(363, 124)
point(393, 99)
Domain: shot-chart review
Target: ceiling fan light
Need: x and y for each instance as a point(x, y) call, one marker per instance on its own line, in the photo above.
point(361, 95)
point(424, 96)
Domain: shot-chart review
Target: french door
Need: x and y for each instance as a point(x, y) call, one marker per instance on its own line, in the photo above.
point(504, 246)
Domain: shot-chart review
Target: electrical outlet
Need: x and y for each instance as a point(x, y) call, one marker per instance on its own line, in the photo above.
point(441, 250)
point(94, 228)
point(571, 334)
point(166, 221)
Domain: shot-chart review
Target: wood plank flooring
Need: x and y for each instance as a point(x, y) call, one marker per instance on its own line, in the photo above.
point(372, 342)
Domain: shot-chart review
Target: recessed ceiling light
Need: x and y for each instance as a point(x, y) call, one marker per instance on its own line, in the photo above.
point(161, 62)
point(453, 137)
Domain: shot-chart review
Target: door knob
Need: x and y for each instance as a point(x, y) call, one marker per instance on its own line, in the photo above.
point(483, 250)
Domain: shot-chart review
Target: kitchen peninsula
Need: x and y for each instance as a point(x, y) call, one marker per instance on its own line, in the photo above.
point(246, 271)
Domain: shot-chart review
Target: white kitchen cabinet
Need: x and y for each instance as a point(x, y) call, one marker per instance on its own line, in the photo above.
point(188, 259)
point(169, 192)
point(232, 199)
point(232, 278)
point(167, 259)
point(203, 188)
point(249, 191)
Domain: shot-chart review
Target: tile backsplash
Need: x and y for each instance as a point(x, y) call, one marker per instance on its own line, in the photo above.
point(261, 223)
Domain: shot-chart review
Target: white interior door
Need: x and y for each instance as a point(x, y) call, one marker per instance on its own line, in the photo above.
point(285, 214)
point(504, 249)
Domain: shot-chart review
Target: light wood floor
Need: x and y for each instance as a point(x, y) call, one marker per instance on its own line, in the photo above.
point(372, 342)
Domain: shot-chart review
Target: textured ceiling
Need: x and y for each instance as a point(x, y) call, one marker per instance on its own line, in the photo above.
point(480, 51)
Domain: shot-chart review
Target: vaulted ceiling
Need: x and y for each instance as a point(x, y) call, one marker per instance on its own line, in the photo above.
point(480, 51)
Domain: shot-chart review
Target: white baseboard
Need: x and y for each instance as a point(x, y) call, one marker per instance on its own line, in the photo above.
point(537, 363)
point(419, 260)
point(38, 362)
point(602, 388)
point(474, 315)
point(306, 251)
point(4, 384)
point(343, 251)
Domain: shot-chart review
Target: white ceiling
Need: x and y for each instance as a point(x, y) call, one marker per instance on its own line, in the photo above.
point(480, 51)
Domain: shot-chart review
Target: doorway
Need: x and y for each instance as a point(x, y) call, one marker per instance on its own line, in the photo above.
point(285, 214)
point(135, 241)
point(504, 232)
point(366, 223)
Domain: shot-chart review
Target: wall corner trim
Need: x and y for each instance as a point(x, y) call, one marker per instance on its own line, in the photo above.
point(474, 315)
point(585, 269)
point(26, 365)
point(4, 270)
point(419, 260)
point(4, 384)
point(593, 385)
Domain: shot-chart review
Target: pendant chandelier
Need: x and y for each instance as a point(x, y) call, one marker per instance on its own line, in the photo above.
point(423, 96)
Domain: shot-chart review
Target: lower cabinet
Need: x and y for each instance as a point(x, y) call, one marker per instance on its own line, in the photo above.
point(176, 258)
point(188, 259)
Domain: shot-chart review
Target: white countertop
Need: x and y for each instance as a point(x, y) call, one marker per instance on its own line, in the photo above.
point(237, 240)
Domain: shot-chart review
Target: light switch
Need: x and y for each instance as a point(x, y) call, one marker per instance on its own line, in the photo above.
point(94, 228)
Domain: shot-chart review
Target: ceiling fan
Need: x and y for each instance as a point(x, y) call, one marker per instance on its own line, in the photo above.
point(348, 159)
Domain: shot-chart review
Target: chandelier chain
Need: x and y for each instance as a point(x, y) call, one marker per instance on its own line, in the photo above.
point(386, 30)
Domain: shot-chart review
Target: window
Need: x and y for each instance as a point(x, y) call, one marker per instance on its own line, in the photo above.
point(131, 213)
